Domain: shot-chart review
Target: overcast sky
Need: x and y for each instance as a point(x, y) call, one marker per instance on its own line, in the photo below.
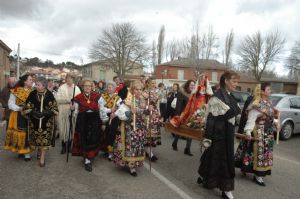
point(63, 30)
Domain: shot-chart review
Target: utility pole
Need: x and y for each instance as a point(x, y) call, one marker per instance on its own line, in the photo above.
point(18, 62)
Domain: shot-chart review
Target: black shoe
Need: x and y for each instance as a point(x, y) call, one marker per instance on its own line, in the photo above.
point(224, 195)
point(110, 158)
point(63, 148)
point(199, 180)
point(133, 173)
point(259, 183)
point(21, 155)
point(153, 158)
point(27, 159)
point(88, 167)
point(187, 152)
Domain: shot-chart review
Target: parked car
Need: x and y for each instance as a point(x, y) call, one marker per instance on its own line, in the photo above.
point(289, 108)
point(241, 98)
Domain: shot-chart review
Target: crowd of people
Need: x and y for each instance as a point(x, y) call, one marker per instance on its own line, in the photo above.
point(123, 120)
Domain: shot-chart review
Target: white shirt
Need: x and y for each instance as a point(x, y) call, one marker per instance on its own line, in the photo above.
point(252, 116)
point(12, 103)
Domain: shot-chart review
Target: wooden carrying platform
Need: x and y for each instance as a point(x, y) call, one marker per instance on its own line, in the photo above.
point(185, 131)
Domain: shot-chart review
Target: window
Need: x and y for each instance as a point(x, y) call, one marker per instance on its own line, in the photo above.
point(295, 102)
point(275, 100)
point(180, 74)
point(284, 103)
point(102, 74)
point(214, 76)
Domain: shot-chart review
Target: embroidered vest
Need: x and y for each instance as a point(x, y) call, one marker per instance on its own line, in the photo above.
point(109, 100)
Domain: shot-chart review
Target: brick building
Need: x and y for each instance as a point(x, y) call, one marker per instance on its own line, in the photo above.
point(182, 69)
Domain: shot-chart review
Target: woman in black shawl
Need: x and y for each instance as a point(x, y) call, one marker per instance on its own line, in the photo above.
point(217, 162)
point(40, 109)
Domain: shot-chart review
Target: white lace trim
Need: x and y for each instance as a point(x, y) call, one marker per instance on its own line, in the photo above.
point(216, 107)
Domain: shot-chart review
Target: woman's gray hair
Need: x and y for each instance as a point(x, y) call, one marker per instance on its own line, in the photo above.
point(111, 83)
point(43, 81)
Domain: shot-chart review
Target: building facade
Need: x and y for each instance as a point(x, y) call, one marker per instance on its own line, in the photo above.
point(183, 69)
point(99, 71)
point(178, 71)
point(4, 64)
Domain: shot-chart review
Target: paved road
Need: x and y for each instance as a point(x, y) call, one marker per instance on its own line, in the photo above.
point(284, 182)
point(173, 176)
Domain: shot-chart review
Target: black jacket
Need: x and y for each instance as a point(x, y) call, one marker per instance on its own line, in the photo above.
point(219, 129)
point(182, 100)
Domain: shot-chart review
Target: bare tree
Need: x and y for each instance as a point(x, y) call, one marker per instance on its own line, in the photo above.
point(203, 47)
point(122, 47)
point(184, 48)
point(153, 55)
point(228, 47)
point(161, 44)
point(177, 48)
point(172, 50)
point(209, 44)
point(293, 61)
point(270, 73)
point(257, 52)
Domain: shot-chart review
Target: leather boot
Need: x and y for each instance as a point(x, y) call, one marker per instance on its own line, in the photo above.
point(63, 148)
point(174, 146)
point(187, 152)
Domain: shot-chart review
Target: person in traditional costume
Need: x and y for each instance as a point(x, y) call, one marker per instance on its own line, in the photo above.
point(40, 109)
point(171, 108)
point(216, 169)
point(179, 103)
point(197, 100)
point(256, 155)
point(143, 80)
point(119, 85)
point(16, 137)
point(4, 96)
point(86, 141)
point(153, 136)
point(162, 93)
point(129, 149)
point(108, 102)
point(101, 87)
point(64, 96)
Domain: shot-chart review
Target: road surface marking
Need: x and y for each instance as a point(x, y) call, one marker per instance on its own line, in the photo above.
point(171, 185)
point(288, 160)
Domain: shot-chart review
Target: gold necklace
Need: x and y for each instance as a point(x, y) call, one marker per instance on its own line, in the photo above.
point(88, 99)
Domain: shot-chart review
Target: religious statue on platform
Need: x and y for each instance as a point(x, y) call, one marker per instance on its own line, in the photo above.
point(193, 113)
